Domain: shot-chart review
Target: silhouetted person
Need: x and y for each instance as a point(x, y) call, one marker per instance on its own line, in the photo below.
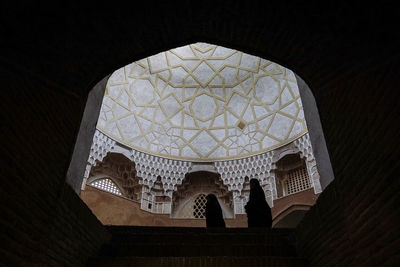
point(257, 208)
point(214, 212)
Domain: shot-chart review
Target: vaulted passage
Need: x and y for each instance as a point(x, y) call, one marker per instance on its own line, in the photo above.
point(55, 65)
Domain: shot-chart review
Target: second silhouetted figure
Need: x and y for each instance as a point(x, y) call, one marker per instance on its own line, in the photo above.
point(214, 216)
point(257, 208)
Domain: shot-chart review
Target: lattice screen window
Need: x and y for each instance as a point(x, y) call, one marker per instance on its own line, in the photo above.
point(297, 180)
point(199, 207)
point(106, 185)
point(239, 205)
point(195, 208)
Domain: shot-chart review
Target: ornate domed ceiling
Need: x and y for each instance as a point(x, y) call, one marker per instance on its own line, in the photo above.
point(202, 102)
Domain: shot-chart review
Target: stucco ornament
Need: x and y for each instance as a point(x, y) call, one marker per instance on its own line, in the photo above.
point(202, 102)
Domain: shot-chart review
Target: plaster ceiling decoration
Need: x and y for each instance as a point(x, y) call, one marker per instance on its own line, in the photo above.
point(202, 102)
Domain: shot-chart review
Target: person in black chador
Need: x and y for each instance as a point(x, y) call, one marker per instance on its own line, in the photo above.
point(214, 212)
point(257, 208)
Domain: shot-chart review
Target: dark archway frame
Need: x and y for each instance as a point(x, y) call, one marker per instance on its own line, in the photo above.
point(347, 53)
point(88, 125)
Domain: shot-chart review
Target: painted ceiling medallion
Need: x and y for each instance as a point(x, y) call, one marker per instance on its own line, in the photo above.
point(202, 102)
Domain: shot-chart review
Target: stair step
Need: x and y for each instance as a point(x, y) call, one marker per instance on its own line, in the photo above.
point(206, 238)
point(152, 229)
point(193, 250)
point(199, 261)
point(181, 246)
point(177, 235)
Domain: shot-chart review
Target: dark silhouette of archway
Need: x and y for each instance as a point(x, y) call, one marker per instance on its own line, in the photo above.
point(347, 54)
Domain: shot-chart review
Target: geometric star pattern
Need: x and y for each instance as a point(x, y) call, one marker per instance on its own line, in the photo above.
point(202, 102)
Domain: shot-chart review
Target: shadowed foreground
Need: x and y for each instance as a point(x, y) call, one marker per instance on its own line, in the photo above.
point(180, 246)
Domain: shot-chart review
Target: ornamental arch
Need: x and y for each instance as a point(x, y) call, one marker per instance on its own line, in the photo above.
point(188, 198)
point(227, 100)
point(350, 60)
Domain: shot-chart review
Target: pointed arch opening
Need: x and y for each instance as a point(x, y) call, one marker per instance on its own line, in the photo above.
point(198, 106)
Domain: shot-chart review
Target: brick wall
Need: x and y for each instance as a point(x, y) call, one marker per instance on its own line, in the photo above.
point(43, 221)
point(52, 229)
point(114, 210)
point(355, 221)
point(348, 55)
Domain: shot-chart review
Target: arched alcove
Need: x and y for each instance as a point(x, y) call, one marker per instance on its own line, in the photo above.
point(201, 183)
point(291, 175)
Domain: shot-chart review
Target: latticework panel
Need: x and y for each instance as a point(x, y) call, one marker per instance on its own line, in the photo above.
point(199, 207)
point(195, 208)
point(106, 185)
point(239, 205)
point(297, 180)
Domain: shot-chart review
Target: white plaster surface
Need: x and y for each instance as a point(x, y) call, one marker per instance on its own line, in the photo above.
point(188, 103)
